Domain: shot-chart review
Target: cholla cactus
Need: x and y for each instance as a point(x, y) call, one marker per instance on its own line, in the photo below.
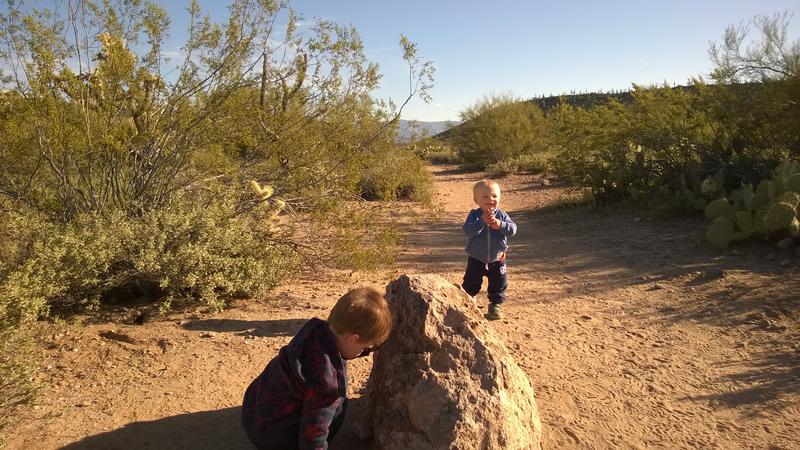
point(263, 193)
point(790, 198)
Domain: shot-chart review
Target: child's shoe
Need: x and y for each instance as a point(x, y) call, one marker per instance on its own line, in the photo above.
point(495, 312)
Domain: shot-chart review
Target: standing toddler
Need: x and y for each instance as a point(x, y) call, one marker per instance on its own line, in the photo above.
point(488, 228)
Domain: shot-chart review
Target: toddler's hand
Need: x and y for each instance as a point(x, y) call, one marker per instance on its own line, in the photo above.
point(491, 220)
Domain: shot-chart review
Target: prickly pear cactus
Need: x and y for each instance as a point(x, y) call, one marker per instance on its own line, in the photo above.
point(776, 216)
point(719, 208)
point(744, 221)
point(784, 173)
point(747, 197)
point(759, 220)
point(720, 232)
point(699, 204)
point(744, 225)
point(794, 183)
point(765, 192)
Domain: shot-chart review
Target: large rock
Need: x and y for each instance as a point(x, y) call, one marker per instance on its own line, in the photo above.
point(444, 379)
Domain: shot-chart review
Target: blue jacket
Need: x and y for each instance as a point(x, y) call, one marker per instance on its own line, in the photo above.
point(484, 244)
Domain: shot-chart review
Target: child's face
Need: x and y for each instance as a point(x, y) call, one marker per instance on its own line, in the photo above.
point(488, 197)
point(351, 346)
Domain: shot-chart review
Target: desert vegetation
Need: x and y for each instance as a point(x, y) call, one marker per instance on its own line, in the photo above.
point(127, 175)
point(730, 138)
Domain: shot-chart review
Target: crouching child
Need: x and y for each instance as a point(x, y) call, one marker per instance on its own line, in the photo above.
point(299, 401)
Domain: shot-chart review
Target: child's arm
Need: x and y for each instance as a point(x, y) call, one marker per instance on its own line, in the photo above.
point(325, 388)
point(474, 223)
point(507, 226)
point(316, 418)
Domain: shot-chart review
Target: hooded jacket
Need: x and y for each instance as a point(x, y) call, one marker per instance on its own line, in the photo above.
point(484, 244)
point(306, 384)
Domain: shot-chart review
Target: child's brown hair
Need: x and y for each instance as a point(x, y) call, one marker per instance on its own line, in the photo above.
point(362, 311)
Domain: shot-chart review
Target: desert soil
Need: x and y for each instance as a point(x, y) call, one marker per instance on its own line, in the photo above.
point(633, 332)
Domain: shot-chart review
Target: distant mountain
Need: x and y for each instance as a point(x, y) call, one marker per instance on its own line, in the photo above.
point(409, 128)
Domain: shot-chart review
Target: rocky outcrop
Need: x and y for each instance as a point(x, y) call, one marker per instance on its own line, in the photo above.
point(444, 379)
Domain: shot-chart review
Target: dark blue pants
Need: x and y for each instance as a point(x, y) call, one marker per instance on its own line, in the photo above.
point(288, 438)
point(498, 280)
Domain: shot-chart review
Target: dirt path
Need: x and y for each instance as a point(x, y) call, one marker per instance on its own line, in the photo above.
point(634, 335)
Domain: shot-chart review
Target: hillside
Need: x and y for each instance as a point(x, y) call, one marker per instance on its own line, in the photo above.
point(592, 99)
point(410, 128)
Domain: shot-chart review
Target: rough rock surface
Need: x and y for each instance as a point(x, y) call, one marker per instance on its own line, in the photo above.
point(444, 379)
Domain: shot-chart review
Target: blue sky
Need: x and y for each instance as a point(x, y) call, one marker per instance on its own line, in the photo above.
point(526, 48)
point(532, 48)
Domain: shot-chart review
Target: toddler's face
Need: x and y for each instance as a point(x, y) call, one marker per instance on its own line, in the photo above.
point(488, 198)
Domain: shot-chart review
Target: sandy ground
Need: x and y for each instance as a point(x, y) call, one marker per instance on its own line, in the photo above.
point(634, 335)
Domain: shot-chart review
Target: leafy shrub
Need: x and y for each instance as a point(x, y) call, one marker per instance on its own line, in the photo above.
point(196, 254)
point(438, 152)
point(502, 168)
point(365, 244)
point(535, 163)
point(443, 157)
point(500, 128)
point(396, 174)
point(524, 163)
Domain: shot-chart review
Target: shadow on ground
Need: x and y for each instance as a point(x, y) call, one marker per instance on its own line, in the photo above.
point(770, 384)
point(260, 328)
point(207, 430)
point(607, 248)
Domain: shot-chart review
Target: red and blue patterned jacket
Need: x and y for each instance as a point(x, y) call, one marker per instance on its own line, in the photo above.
point(306, 383)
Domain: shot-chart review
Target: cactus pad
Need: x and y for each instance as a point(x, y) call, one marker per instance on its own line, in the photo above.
point(794, 183)
point(776, 216)
point(719, 208)
point(720, 232)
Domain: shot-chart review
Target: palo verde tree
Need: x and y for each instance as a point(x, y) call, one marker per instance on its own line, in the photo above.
point(500, 127)
point(97, 124)
point(770, 60)
point(104, 136)
point(125, 174)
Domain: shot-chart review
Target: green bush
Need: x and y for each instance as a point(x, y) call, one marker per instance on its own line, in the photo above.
point(524, 163)
point(437, 152)
point(196, 254)
point(396, 174)
point(502, 168)
point(500, 128)
point(535, 163)
point(366, 244)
